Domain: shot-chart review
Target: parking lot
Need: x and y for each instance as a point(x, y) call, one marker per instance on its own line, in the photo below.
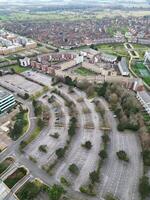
point(40, 78)
point(20, 85)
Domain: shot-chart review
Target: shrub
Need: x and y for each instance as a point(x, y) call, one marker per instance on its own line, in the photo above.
point(94, 177)
point(60, 152)
point(87, 145)
point(43, 148)
point(74, 169)
point(122, 156)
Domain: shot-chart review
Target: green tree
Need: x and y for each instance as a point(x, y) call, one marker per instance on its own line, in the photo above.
point(103, 154)
point(87, 145)
point(60, 152)
point(55, 192)
point(94, 177)
point(122, 155)
point(144, 187)
point(74, 169)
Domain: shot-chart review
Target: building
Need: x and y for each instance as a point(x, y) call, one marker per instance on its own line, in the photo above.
point(123, 67)
point(25, 62)
point(147, 59)
point(144, 99)
point(5, 192)
point(7, 101)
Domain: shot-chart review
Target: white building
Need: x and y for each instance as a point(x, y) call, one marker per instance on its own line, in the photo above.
point(147, 59)
point(25, 62)
point(123, 67)
point(144, 99)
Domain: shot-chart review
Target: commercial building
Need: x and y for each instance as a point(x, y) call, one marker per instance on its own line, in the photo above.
point(123, 67)
point(144, 99)
point(7, 101)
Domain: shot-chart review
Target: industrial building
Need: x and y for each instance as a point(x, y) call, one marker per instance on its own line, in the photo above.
point(7, 101)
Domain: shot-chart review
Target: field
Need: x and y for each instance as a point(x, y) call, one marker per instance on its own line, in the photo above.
point(68, 15)
point(19, 69)
point(114, 49)
point(83, 71)
point(140, 69)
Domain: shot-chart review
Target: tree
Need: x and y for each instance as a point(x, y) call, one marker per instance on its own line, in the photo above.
point(43, 148)
point(110, 196)
point(144, 187)
point(74, 169)
point(60, 152)
point(105, 138)
point(122, 156)
point(94, 177)
point(87, 145)
point(69, 81)
point(101, 91)
point(55, 192)
point(40, 123)
point(146, 157)
point(103, 154)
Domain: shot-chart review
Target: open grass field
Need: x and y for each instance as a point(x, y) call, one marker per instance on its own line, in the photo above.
point(19, 69)
point(69, 15)
point(83, 71)
point(140, 69)
point(114, 49)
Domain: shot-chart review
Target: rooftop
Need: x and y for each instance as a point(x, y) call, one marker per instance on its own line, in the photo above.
point(4, 191)
point(145, 96)
point(123, 64)
point(4, 94)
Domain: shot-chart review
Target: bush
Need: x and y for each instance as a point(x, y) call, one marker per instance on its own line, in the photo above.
point(55, 192)
point(146, 157)
point(55, 135)
point(43, 148)
point(60, 152)
point(94, 177)
point(87, 145)
point(103, 154)
point(144, 187)
point(74, 169)
point(64, 182)
point(122, 156)
point(87, 190)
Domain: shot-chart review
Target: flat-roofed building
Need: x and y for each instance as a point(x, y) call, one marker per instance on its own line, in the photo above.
point(123, 67)
point(5, 192)
point(7, 101)
point(147, 59)
point(144, 99)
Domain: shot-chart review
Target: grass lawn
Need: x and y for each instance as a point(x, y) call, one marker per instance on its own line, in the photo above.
point(34, 134)
point(19, 69)
point(84, 72)
point(15, 177)
point(140, 69)
point(25, 128)
point(5, 164)
point(113, 49)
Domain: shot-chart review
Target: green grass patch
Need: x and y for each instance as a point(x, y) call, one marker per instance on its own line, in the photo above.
point(15, 177)
point(19, 69)
point(140, 69)
point(84, 72)
point(5, 164)
point(113, 49)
